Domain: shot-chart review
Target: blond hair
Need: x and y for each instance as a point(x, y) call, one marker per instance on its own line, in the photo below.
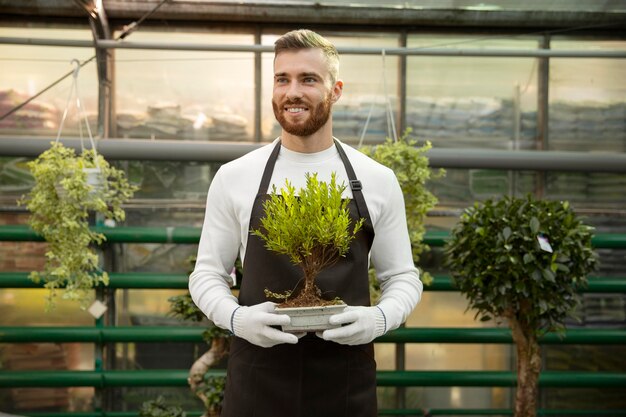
point(307, 39)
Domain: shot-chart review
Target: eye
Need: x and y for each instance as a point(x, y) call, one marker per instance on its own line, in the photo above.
point(309, 80)
point(280, 80)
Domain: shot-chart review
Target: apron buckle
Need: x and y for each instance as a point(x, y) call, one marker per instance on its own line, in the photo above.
point(355, 185)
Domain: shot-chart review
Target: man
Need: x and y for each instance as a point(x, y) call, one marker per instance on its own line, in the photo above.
point(272, 373)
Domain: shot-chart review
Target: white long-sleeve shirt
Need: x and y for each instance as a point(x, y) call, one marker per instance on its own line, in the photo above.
point(227, 218)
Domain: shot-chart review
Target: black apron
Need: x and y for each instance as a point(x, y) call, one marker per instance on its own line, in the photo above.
point(313, 378)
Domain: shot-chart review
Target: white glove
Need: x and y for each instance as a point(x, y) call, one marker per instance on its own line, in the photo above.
point(365, 325)
point(253, 324)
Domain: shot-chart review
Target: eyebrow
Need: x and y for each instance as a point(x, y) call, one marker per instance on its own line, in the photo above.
point(303, 74)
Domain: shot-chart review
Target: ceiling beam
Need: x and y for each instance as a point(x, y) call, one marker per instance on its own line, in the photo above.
point(321, 13)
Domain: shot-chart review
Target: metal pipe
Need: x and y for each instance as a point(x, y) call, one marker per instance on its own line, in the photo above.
point(258, 89)
point(191, 235)
point(150, 280)
point(569, 379)
point(187, 334)
point(457, 158)
point(178, 46)
point(171, 378)
point(412, 412)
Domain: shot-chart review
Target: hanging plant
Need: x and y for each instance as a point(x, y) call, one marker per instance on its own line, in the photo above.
point(68, 188)
point(410, 164)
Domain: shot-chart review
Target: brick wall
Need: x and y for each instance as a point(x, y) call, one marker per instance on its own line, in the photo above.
point(20, 256)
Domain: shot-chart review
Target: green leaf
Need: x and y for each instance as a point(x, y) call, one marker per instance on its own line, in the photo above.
point(534, 225)
point(548, 275)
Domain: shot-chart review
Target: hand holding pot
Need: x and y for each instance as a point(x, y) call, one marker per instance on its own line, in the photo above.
point(255, 323)
point(361, 325)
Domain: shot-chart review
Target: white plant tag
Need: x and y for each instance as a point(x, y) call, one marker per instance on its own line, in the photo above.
point(97, 309)
point(544, 244)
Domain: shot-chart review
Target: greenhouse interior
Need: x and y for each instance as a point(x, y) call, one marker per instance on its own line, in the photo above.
point(503, 99)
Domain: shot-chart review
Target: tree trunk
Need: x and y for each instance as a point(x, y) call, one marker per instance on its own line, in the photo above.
point(219, 348)
point(528, 369)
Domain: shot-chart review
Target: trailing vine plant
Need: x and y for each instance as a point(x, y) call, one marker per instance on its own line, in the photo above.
point(410, 164)
point(60, 203)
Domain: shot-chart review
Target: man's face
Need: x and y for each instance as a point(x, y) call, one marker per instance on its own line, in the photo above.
point(303, 95)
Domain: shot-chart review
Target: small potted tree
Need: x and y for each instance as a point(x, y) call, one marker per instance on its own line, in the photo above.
point(313, 228)
point(208, 388)
point(410, 164)
point(68, 189)
point(523, 261)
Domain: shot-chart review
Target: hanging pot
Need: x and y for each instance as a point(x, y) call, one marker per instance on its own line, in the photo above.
point(95, 180)
point(61, 191)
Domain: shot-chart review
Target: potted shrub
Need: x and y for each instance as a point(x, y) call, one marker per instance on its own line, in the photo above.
point(209, 388)
point(68, 189)
point(522, 260)
point(313, 228)
point(158, 408)
point(410, 164)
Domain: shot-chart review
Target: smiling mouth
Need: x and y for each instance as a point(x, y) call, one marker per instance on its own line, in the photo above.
point(295, 110)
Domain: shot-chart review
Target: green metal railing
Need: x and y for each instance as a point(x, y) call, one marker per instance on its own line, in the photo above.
point(191, 235)
point(384, 412)
point(173, 378)
point(193, 334)
point(150, 280)
point(156, 334)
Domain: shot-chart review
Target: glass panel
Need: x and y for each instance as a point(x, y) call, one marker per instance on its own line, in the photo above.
point(185, 94)
point(15, 179)
point(426, 399)
point(588, 99)
point(472, 101)
point(27, 70)
point(364, 89)
point(461, 187)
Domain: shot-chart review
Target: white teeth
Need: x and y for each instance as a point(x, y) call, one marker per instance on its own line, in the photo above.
point(295, 110)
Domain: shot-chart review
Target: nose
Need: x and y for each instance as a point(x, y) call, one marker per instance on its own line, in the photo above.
point(294, 91)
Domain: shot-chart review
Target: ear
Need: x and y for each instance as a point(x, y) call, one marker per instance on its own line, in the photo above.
point(337, 91)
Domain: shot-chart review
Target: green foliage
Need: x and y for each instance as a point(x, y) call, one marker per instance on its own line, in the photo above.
point(215, 332)
point(158, 408)
point(212, 393)
point(313, 228)
point(497, 262)
point(315, 222)
point(183, 307)
point(410, 164)
point(60, 204)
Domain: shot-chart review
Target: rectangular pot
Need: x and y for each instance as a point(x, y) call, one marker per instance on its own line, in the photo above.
point(310, 319)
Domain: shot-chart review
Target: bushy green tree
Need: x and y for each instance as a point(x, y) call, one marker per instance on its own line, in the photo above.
point(522, 260)
point(312, 227)
point(410, 164)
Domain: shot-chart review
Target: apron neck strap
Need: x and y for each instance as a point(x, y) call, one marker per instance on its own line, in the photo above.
point(355, 184)
point(269, 169)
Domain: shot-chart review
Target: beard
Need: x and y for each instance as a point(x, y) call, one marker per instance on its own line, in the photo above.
point(317, 118)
